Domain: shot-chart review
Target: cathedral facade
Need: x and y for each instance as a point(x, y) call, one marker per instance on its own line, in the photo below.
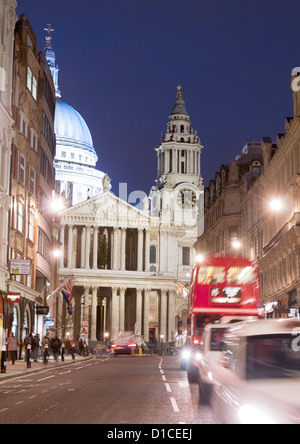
point(125, 262)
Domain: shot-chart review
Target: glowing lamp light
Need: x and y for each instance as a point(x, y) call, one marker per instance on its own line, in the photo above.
point(276, 205)
point(237, 244)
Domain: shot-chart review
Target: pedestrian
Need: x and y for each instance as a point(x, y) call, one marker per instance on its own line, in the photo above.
point(27, 341)
point(35, 345)
point(45, 341)
point(81, 347)
point(55, 347)
point(13, 347)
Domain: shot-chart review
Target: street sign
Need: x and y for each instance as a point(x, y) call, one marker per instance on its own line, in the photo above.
point(44, 311)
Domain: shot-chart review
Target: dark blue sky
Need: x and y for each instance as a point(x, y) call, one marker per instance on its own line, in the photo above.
point(121, 60)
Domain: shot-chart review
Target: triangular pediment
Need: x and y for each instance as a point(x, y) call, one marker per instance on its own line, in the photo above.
point(106, 210)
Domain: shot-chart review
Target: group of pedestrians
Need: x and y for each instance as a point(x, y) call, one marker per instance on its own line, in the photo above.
point(53, 345)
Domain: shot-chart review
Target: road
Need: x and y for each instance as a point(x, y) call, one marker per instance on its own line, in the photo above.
point(105, 390)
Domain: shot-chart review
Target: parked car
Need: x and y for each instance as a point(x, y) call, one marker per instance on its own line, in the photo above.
point(258, 381)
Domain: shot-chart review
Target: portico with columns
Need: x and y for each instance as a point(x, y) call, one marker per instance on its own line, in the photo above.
point(134, 285)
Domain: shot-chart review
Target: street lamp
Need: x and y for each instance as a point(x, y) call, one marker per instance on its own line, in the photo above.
point(276, 205)
point(161, 343)
point(237, 245)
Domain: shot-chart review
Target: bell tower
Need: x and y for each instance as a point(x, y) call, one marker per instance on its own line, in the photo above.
point(178, 195)
point(180, 149)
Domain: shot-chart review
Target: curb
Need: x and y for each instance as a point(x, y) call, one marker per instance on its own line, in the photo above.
point(42, 369)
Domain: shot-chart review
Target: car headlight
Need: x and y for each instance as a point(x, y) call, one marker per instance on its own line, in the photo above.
point(186, 355)
point(249, 414)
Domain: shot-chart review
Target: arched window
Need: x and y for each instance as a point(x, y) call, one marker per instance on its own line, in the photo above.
point(153, 254)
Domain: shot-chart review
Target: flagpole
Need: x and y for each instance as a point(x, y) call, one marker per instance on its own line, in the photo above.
point(59, 288)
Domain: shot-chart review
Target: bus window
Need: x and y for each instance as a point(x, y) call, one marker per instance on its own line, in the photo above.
point(211, 275)
point(241, 275)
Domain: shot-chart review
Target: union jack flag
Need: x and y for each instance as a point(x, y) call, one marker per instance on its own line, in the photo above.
point(67, 293)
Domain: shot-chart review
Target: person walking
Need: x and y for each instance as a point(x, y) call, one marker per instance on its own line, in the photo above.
point(55, 347)
point(27, 341)
point(46, 347)
point(35, 344)
point(13, 347)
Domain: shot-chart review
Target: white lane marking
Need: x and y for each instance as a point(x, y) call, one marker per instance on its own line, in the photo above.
point(174, 405)
point(44, 379)
point(168, 387)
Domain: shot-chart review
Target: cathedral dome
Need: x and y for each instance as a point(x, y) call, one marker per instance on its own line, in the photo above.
point(71, 129)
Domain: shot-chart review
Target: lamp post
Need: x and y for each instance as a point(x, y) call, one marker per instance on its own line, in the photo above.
point(161, 344)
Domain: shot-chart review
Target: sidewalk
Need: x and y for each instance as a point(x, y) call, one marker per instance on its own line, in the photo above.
point(20, 369)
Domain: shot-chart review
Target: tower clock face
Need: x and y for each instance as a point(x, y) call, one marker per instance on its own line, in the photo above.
point(186, 199)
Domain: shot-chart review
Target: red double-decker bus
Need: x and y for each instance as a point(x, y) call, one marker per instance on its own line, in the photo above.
point(221, 286)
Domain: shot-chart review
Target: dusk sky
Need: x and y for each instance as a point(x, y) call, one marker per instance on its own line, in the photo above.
point(121, 61)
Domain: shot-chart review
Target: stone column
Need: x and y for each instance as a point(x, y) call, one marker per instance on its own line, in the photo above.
point(94, 314)
point(140, 249)
point(139, 306)
point(147, 250)
point(115, 249)
point(171, 323)
point(114, 312)
point(70, 246)
point(163, 314)
point(62, 248)
point(82, 251)
point(123, 249)
point(85, 316)
point(146, 315)
point(95, 248)
point(87, 247)
point(104, 305)
point(122, 309)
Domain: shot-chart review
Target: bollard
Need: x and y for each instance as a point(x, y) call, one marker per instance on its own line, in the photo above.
point(28, 356)
point(63, 353)
point(140, 351)
point(46, 354)
point(3, 360)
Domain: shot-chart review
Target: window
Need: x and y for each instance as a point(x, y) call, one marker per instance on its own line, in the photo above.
point(233, 233)
point(32, 181)
point(29, 78)
point(22, 169)
point(211, 275)
point(152, 254)
point(31, 227)
point(31, 83)
point(186, 256)
point(23, 123)
point(20, 217)
point(33, 139)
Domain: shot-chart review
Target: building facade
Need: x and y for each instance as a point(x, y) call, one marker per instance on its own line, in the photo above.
point(8, 19)
point(126, 262)
point(31, 234)
point(271, 219)
point(252, 209)
point(223, 220)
